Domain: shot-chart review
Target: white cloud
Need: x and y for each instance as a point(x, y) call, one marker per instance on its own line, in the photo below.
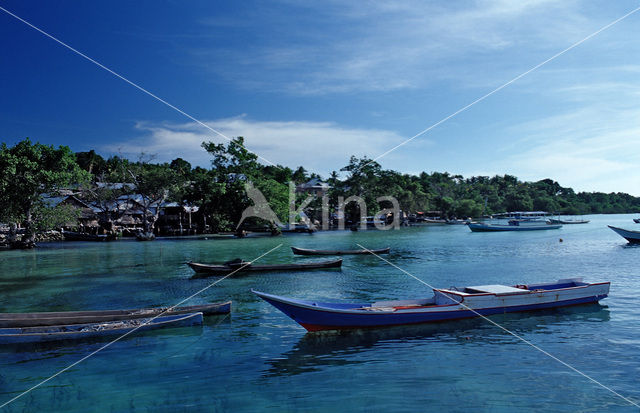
point(338, 47)
point(318, 146)
point(590, 149)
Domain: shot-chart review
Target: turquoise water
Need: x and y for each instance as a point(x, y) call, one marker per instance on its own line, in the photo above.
point(258, 359)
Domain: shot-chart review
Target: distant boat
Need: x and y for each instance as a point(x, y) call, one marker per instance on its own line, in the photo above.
point(434, 221)
point(458, 221)
point(513, 225)
point(100, 316)
point(373, 221)
point(304, 251)
point(94, 330)
point(203, 270)
point(568, 221)
point(299, 227)
point(81, 236)
point(631, 236)
point(636, 220)
point(446, 304)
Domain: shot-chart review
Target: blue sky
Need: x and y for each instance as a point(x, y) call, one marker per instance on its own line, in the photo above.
point(313, 83)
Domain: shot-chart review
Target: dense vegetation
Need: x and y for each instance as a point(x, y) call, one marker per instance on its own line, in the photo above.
point(27, 170)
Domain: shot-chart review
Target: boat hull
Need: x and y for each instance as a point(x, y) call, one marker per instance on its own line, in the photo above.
point(83, 317)
point(94, 330)
point(434, 221)
point(318, 316)
point(476, 227)
point(206, 269)
point(569, 222)
point(631, 236)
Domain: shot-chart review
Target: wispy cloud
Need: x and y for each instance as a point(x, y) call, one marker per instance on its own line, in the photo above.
point(338, 47)
point(590, 149)
point(318, 146)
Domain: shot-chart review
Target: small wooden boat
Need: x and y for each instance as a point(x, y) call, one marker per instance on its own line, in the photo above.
point(434, 221)
point(458, 221)
point(84, 317)
point(223, 269)
point(297, 228)
point(568, 221)
point(513, 226)
point(94, 330)
point(304, 251)
point(446, 304)
point(631, 236)
point(81, 236)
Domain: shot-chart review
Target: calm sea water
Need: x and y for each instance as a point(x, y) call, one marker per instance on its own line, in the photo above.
point(258, 359)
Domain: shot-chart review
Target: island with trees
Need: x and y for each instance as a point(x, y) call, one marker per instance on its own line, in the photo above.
point(43, 188)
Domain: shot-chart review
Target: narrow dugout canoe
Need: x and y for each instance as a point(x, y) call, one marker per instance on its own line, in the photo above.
point(305, 251)
point(478, 227)
point(85, 317)
point(568, 221)
point(94, 330)
point(223, 269)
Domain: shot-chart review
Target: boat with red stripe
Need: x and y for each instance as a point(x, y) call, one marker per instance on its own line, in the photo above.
point(446, 304)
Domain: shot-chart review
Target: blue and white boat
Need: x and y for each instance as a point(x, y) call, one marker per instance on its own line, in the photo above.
point(631, 236)
point(446, 304)
point(513, 225)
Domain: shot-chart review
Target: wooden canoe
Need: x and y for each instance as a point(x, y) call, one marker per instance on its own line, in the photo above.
point(223, 269)
point(568, 221)
point(446, 304)
point(305, 251)
point(94, 330)
point(85, 317)
point(479, 227)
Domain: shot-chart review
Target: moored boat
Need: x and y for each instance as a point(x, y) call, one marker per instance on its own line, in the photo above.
point(305, 251)
point(512, 226)
point(458, 221)
point(373, 222)
point(636, 220)
point(297, 228)
point(631, 236)
point(446, 304)
point(568, 221)
point(94, 330)
point(434, 221)
point(241, 266)
point(100, 316)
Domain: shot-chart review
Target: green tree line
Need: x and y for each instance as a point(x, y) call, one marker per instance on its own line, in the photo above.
point(28, 170)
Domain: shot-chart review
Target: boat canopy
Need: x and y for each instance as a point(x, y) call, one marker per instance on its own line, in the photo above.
point(493, 289)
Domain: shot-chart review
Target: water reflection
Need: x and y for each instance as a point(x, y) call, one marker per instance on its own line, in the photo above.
point(18, 353)
point(316, 351)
